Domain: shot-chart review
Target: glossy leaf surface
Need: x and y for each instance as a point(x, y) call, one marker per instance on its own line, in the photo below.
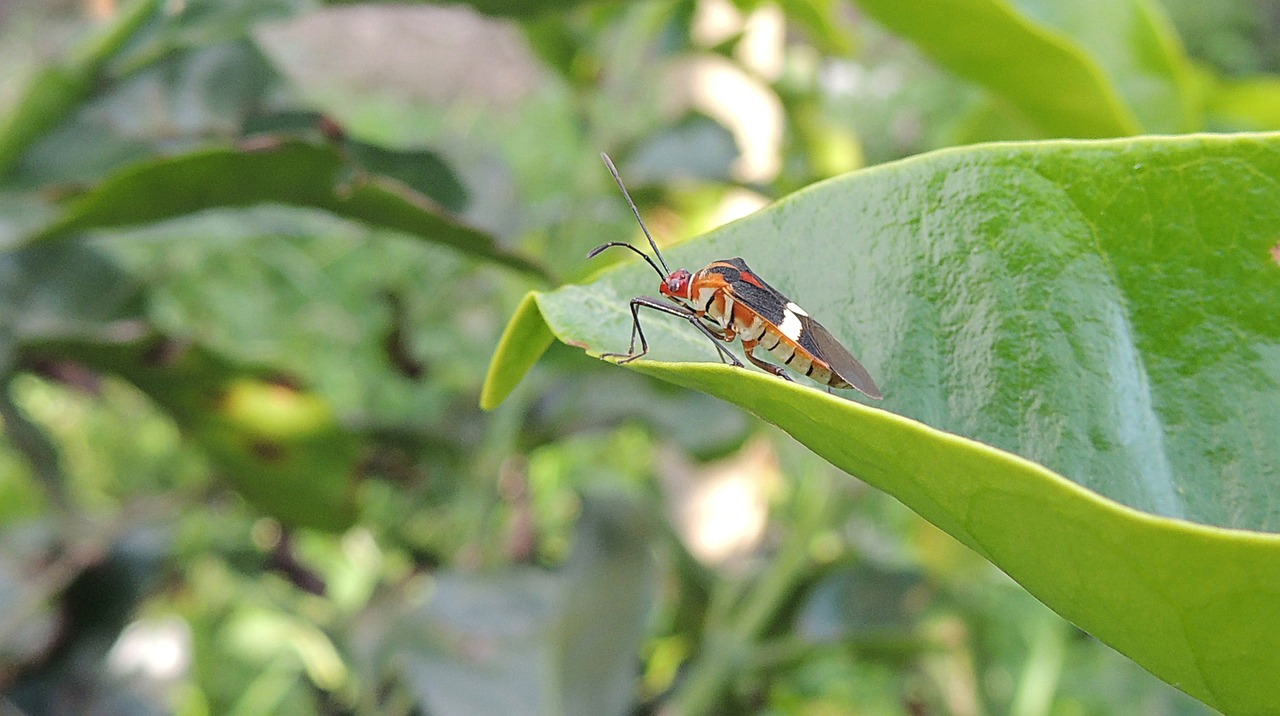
point(1104, 309)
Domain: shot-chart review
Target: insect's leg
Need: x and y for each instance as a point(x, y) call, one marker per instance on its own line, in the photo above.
point(646, 302)
point(636, 330)
point(725, 355)
point(719, 333)
point(749, 346)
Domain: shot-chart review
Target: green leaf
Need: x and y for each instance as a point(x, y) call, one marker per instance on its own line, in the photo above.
point(56, 90)
point(861, 601)
point(526, 640)
point(286, 172)
point(501, 8)
point(1105, 309)
point(199, 25)
point(1139, 51)
point(1250, 103)
point(20, 215)
point(66, 290)
point(1069, 70)
point(189, 97)
point(419, 169)
point(695, 147)
point(821, 19)
point(523, 342)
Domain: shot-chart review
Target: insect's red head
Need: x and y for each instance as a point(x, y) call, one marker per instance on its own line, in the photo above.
point(678, 285)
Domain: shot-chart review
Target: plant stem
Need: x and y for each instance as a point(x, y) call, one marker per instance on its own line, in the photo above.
point(729, 646)
point(35, 446)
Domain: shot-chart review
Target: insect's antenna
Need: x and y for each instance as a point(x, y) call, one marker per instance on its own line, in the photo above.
point(625, 245)
point(614, 171)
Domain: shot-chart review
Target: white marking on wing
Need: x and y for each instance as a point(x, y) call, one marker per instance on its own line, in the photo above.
point(790, 324)
point(796, 309)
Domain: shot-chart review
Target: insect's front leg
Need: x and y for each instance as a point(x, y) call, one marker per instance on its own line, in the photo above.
point(636, 331)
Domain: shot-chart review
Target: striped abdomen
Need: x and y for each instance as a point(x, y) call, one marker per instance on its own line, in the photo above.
point(786, 342)
point(794, 356)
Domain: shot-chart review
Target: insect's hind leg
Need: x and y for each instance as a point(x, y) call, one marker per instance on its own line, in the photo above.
point(645, 302)
point(749, 346)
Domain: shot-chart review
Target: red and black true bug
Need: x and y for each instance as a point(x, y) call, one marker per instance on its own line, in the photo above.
point(726, 300)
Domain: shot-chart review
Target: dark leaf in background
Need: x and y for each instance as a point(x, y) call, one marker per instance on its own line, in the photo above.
point(697, 147)
point(98, 601)
point(67, 289)
point(156, 78)
point(502, 8)
point(421, 170)
point(526, 640)
point(862, 603)
point(287, 172)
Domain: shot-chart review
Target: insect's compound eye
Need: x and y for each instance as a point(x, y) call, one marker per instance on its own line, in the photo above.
point(677, 284)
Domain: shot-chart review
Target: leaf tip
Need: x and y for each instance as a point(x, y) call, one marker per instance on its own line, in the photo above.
point(526, 337)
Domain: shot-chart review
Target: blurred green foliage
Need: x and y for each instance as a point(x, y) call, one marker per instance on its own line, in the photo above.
point(255, 259)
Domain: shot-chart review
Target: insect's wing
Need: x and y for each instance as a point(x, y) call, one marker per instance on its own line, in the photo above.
point(839, 358)
point(752, 291)
point(774, 307)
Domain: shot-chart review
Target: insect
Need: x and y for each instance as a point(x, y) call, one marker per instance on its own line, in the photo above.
point(728, 301)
